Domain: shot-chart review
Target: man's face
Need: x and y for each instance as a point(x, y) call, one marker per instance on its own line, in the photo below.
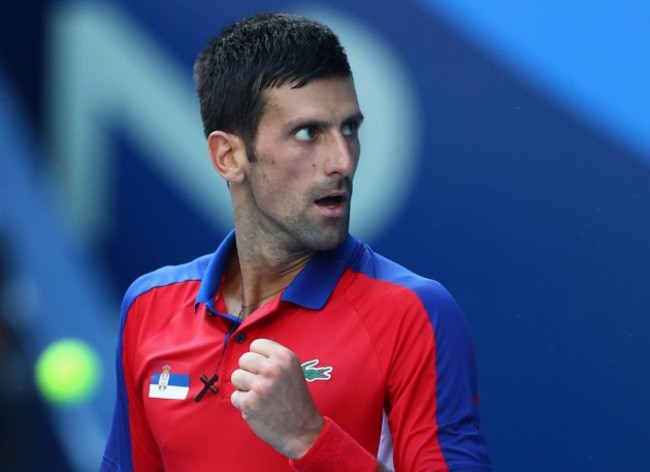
point(306, 153)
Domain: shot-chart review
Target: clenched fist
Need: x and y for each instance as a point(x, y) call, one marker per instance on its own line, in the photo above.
point(273, 398)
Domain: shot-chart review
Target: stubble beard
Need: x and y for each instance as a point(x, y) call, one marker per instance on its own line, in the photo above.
point(323, 237)
point(304, 232)
point(312, 233)
point(332, 232)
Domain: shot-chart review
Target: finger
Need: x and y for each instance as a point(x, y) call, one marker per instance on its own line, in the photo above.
point(242, 380)
point(252, 362)
point(266, 347)
point(277, 355)
point(237, 400)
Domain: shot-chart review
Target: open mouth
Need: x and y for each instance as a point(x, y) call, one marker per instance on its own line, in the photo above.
point(331, 201)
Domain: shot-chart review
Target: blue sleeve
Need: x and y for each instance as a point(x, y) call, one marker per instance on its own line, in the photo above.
point(457, 416)
point(458, 419)
point(117, 454)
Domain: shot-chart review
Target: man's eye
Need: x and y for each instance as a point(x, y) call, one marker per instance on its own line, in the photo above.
point(305, 134)
point(350, 129)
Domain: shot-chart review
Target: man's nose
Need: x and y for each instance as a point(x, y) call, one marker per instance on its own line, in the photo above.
point(342, 155)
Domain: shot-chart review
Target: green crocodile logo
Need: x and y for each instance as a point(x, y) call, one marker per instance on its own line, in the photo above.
point(315, 373)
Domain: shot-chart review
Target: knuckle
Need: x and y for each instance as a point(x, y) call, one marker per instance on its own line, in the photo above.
point(263, 387)
point(287, 356)
point(271, 370)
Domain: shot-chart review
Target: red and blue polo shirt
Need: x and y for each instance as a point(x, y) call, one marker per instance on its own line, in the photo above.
point(386, 356)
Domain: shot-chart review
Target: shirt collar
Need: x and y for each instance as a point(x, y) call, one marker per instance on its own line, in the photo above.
point(211, 281)
point(311, 288)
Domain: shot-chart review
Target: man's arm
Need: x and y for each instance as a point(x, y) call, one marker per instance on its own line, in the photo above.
point(130, 445)
point(273, 398)
point(432, 388)
point(275, 402)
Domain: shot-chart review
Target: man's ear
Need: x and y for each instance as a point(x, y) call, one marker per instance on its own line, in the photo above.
point(228, 155)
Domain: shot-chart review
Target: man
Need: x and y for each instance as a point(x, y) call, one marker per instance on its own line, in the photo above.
point(294, 346)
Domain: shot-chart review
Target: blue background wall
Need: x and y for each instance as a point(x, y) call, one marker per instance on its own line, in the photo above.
point(528, 195)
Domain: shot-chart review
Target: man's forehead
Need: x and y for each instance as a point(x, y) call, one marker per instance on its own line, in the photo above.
point(331, 96)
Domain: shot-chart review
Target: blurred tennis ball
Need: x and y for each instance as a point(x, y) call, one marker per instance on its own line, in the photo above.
point(67, 372)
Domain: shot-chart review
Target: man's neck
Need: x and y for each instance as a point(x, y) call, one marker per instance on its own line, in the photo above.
point(256, 272)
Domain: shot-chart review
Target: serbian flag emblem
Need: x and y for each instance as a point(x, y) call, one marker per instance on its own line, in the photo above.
point(168, 384)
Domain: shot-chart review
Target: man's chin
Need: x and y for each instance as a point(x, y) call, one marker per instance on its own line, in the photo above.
point(330, 239)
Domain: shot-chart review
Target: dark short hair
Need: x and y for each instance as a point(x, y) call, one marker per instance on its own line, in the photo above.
point(256, 53)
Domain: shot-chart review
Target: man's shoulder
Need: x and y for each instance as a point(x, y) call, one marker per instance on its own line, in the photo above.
point(383, 270)
point(168, 275)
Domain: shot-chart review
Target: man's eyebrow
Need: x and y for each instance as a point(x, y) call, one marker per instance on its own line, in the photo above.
point(299, 123)
point(357, 117)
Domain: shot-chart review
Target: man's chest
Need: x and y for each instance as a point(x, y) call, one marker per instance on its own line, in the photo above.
point(194, 357)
